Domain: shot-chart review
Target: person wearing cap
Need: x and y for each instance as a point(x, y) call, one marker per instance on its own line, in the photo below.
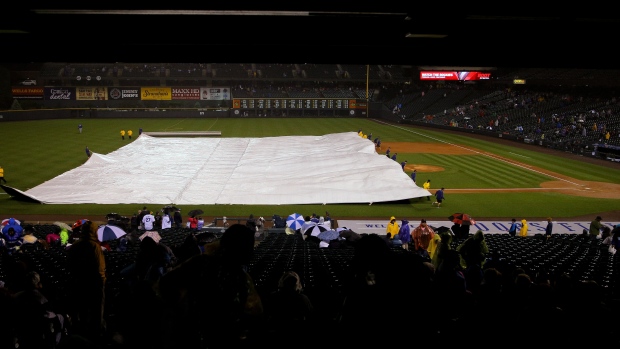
point(595, 227)
point(392, 227)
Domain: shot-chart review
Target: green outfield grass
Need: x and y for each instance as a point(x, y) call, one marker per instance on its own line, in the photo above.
point(36, 151)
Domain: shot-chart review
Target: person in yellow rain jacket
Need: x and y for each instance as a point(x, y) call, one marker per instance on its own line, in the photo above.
point(393, 228)
point(523, 231)
point(123, 134)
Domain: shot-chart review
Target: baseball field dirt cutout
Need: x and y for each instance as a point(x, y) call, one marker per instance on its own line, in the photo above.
point(563, 184)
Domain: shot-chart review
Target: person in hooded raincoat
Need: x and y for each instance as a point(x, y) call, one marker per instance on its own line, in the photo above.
point(16, 226)
point(12, 236)
point(523, 231)
point(392, 228)
point(405, 234)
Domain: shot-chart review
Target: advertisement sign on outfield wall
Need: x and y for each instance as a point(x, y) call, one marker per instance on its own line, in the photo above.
point(215, 93)
point(91, 93)
point(59, 93)
point(156, 93)
point(23, 92)
point(118, 93)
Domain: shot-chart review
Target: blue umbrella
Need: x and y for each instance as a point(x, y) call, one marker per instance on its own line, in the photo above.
point(295, 221)
point(109, 232)
point(328, 235)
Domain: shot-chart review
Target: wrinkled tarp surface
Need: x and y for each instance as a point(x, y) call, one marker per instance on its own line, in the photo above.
point(328, 169)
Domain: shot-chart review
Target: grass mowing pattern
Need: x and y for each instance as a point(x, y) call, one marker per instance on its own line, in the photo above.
point(42, 150)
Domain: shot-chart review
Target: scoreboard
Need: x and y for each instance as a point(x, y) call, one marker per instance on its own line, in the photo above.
point(297, 103)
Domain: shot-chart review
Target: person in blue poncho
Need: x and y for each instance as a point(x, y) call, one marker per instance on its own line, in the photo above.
point(12, 236)
point(404, 234)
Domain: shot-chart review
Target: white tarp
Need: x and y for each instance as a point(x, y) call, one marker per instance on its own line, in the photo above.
point(329, 169)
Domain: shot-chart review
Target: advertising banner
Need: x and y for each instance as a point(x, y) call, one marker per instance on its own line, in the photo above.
point(454, 75)
point(185, 93)
point(156, 93)
point(59, 93)
point(22, 92)
point(215, 93)
point(118, 93)
point(90, 93)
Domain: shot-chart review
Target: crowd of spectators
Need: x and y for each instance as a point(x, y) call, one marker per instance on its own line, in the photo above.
point(194, 289)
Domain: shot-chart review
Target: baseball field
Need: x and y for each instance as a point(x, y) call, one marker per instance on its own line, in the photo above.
point(486, 177)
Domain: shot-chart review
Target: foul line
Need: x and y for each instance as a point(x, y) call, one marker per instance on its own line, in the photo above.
point(493, 156)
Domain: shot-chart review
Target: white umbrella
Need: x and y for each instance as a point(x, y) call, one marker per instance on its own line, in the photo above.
point(6, 221)
point(63, 225)
point(108, 232)
point(152, 234)
point(314, 230)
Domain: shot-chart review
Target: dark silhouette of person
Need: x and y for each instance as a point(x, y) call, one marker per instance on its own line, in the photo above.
point(211, 299)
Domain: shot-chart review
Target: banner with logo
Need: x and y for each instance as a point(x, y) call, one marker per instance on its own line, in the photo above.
point(120, 93)
point(185, 93)
point(59, 93)
point(156, 93)
point(27, 92)
point(215, 93)
point(90, 93)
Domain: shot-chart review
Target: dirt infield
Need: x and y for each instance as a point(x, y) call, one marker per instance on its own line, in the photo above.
point(564, 184)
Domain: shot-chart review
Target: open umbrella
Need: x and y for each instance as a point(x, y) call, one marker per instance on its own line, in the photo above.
point(169, 208)
point(442, 229)
point(152, 234)
point(113, 216)
point(193, 213)
point(63, 225)
point(6, 221)
point(328, 235)
point(108, 232)
point(349, 235)
point(295, 221)
point(462, 219)
point(79, 223)
point(314, 230)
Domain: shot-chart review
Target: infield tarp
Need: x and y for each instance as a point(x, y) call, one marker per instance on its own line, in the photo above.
point(328, 169)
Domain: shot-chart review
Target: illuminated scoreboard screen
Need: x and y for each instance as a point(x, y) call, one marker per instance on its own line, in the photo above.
point(294, 103)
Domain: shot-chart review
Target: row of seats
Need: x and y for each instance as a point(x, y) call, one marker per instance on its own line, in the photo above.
point(323, 270)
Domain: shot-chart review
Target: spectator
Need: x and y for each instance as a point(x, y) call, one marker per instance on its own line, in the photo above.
point(192, 222)
point(392, 228)
point(524, 228)
point(595, 227)
point(178, 219)
point(87, 268)
point(404, 234)
point(289, 311)
point(200, 224)
point(231, 319)
point(422, 236)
